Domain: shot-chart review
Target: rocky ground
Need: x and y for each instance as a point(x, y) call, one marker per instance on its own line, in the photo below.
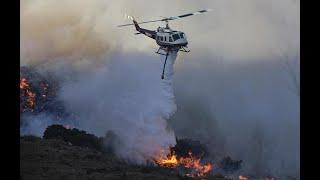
point(58, 160)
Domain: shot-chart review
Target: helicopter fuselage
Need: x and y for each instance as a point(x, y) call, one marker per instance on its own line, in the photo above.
point(165, 37)
point(171, 39)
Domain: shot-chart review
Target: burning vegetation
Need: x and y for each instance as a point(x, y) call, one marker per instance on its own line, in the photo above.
point(191, 164)
point(27, 95)
point(178, 163)
point(187, 157)
point(38, 93)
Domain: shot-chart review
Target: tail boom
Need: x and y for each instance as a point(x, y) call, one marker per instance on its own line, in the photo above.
point(149, 33)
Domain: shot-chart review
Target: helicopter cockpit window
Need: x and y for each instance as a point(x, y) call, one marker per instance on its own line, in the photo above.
point(175, 37)
point(181, 35)
point(170, 39)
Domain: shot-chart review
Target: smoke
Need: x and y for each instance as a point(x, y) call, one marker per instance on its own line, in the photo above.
point(74, 32)
point(37, 124)
point(248, 112)
point(83, 33)
point(129, 98)
point(233, 90)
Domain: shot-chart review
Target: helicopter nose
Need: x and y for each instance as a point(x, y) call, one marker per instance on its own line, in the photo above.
point(182, 41)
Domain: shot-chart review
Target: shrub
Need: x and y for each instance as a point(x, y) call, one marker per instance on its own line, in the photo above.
point(74, 136)
point(183, 147)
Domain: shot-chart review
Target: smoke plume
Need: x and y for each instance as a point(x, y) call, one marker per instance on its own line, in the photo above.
point(135, 104)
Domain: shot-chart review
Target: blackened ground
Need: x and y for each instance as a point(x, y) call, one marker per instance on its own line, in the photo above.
point(57, 159)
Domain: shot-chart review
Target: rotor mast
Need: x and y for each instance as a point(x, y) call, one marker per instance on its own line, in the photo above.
point(167, 24)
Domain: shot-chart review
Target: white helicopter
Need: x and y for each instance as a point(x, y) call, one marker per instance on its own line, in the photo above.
point(165, 37)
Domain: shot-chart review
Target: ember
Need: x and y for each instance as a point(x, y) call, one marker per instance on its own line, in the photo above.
point(190, 162)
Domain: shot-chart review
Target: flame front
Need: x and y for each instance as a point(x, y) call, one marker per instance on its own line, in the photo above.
point(190, 162)
point(31, 94)
point(170, 161)
point(26, 90)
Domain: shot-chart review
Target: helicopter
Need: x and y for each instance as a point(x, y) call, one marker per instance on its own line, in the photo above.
point(167, 38)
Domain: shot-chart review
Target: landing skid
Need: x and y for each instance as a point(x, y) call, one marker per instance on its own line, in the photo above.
point(184, 50)
point(163, 49)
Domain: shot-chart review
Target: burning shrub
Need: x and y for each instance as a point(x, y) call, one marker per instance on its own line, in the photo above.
point(186, 156)
point(38, 93)
point(74, 136)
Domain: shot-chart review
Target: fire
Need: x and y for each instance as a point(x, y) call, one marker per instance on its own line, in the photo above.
point(170, 161)
point(190, 162)
point(24, 83)
point(30, 94)
point(26, 90)
point(242, 177)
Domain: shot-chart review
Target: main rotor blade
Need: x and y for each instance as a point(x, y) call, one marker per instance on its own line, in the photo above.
point(141, 22)
point(189, 14)
point(170, 18)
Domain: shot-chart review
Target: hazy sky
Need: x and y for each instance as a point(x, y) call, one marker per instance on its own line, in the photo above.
point(235, 29)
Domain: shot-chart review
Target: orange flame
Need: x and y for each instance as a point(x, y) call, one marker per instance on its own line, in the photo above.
point(26, 89)
point(242, 177)
point(171, 161)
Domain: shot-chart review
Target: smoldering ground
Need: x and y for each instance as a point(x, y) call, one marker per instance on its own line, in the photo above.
point(235, 90)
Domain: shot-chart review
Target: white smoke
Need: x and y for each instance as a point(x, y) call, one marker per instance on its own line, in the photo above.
point(37, 124)
point(129, 98)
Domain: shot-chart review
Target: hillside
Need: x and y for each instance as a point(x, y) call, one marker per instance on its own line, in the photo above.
point(57, 159)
